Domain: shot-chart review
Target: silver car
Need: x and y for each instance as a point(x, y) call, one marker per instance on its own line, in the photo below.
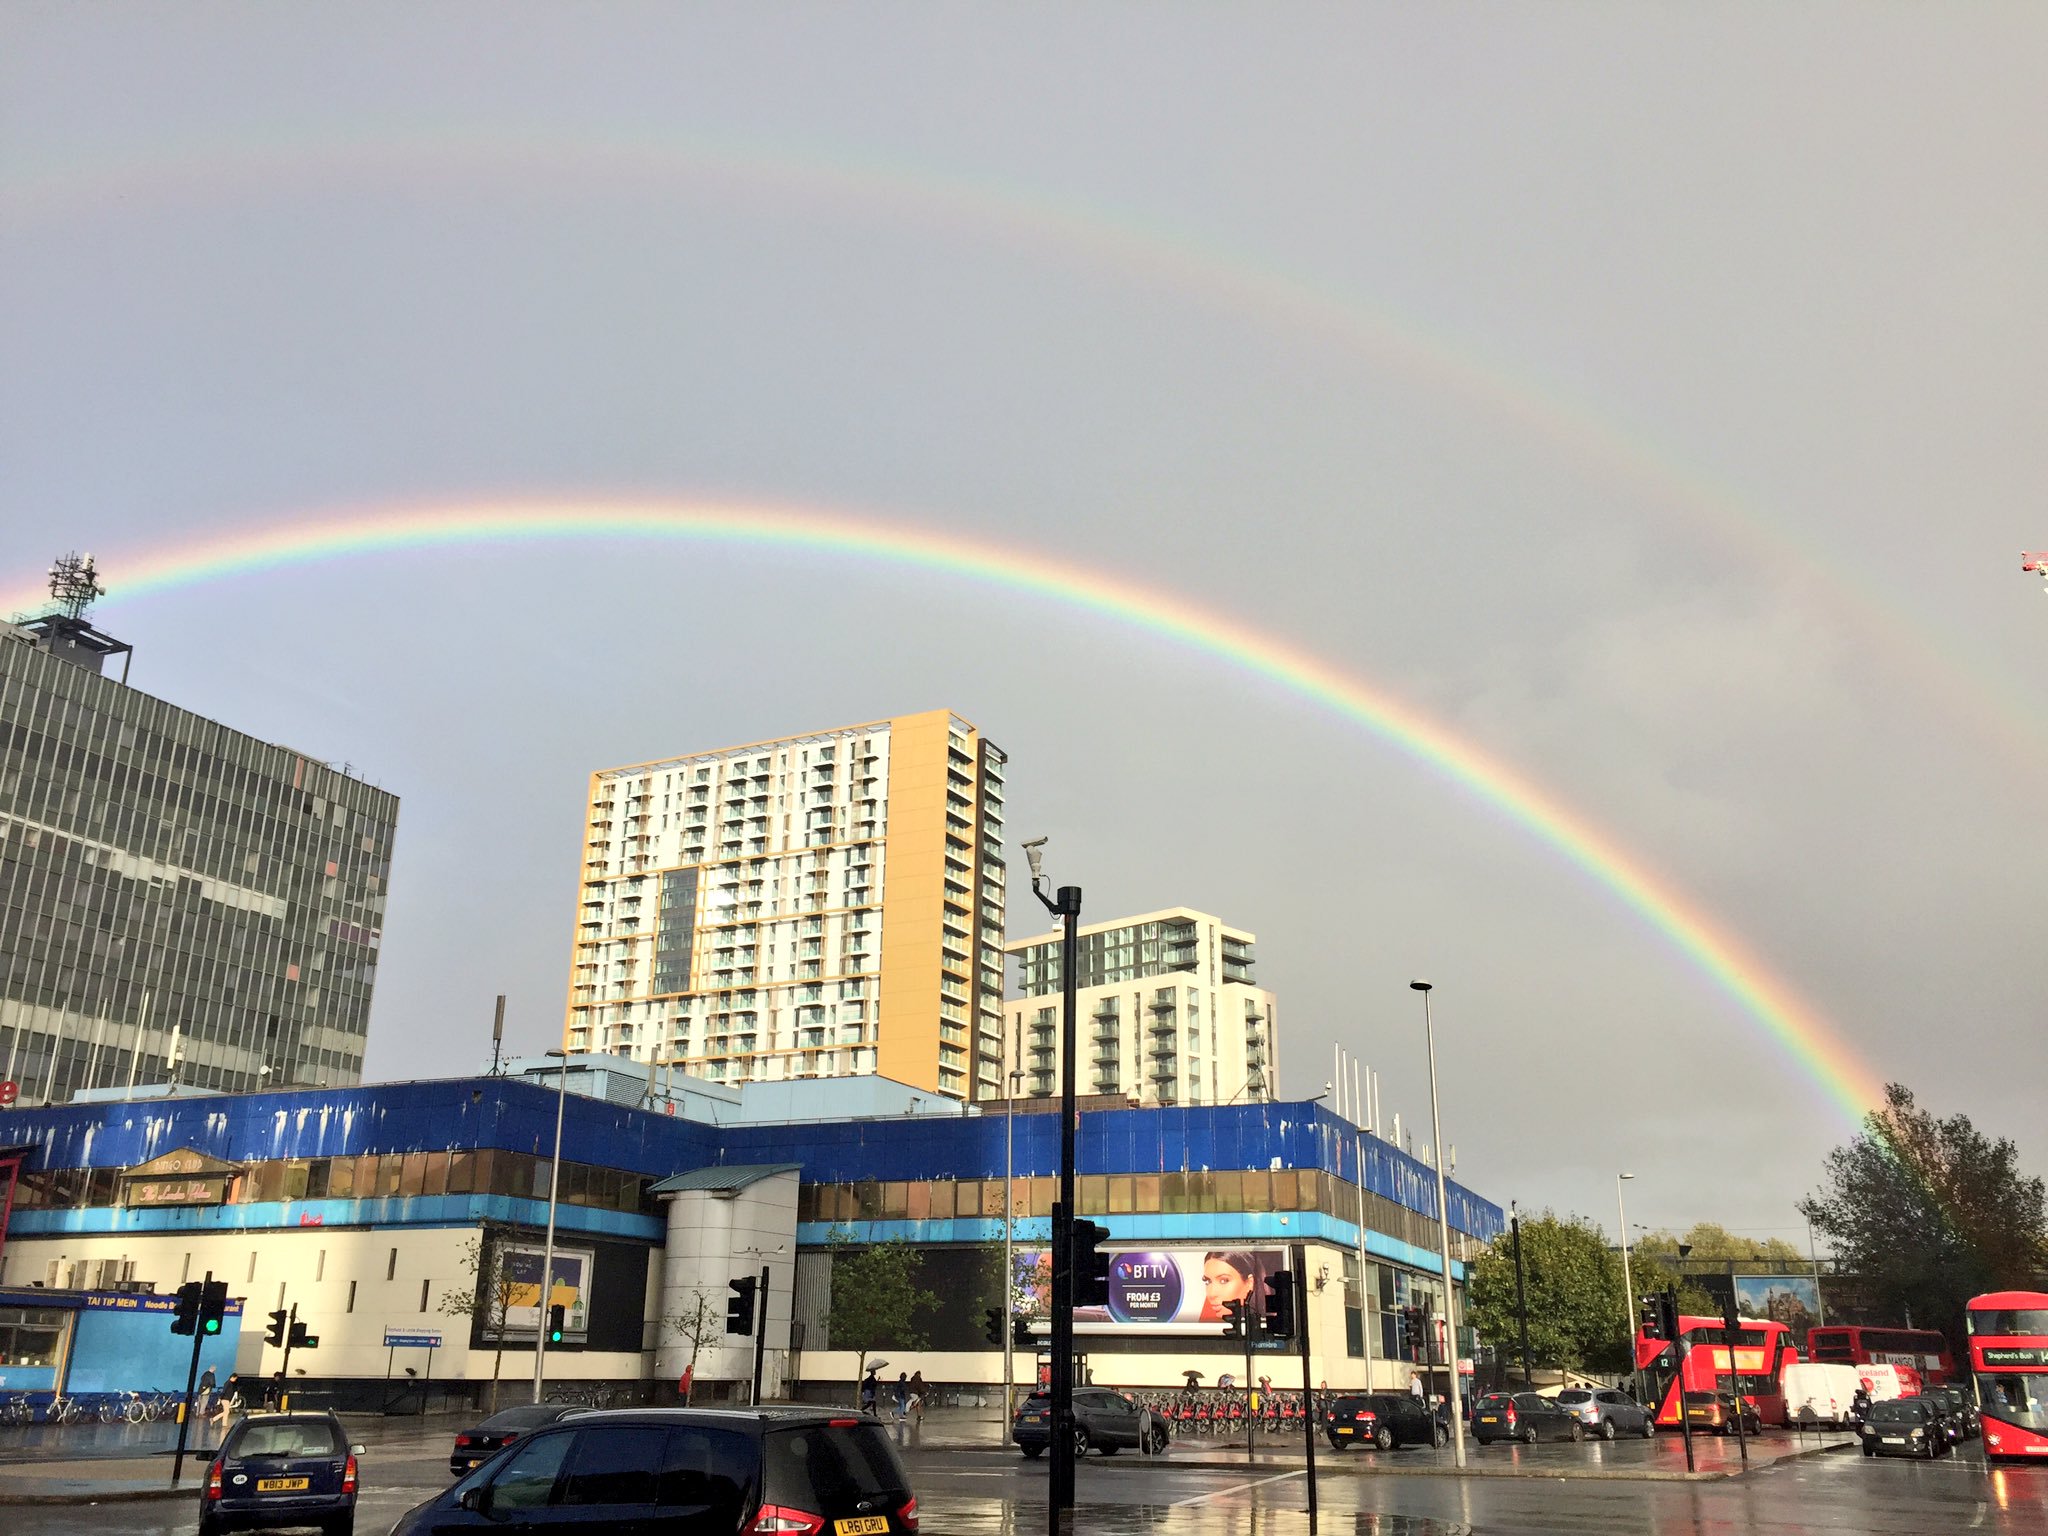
point(1607, 1412)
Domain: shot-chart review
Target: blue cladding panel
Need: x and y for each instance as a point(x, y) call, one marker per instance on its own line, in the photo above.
point(519, 1116)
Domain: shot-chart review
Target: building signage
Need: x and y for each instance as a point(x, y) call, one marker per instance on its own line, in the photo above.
point(185, 1176)
point(417, 1338)
point(1168, 1291)
point(143, 1301)
point(1999, 1355)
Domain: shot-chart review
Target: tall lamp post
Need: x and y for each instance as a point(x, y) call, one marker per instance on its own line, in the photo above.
point(1066, 906)
point(1628, 1284)
point(547, 1262)
point(1443, 1217)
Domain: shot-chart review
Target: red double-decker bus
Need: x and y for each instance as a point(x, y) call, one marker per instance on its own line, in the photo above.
point(1923, 1349)
point(1762, 1351)
point(2009, 1359)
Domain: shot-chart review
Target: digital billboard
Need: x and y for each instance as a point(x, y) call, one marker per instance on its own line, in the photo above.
point(1169, 1290)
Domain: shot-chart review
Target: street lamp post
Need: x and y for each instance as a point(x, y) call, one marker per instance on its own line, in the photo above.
point(547, 1262)
point(1443, 1217)
point(1628, 1285)
point(1521, 1293)
point(1066, 906)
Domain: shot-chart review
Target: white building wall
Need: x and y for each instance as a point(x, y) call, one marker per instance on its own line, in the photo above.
point(713, 1240)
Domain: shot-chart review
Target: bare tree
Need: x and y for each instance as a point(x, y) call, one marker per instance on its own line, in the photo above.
point(697, 1325)
point(488, 1299)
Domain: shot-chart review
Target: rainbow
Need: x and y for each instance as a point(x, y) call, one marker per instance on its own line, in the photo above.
point(1790, 1023)
point(290, 160)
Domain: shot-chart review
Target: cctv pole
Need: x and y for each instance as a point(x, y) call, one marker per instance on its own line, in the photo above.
point(1453, 1394)
point(191, 1379)
point(547, 1261)
point(1308, 1418)
point(1060, 1475)
point(1521, 1294)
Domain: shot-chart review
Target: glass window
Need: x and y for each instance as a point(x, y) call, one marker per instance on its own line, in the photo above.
point(1229, 1186)
point(840, 1467)
point(390, 1173)
point(341, 1178)
point(967, 1197)
point(1257, 1193)
point(436, 1180)
point(1043, 1192)
point(707, 1471)
point(1286, 1190)
point(918, 1202)
point(2017, 1397)
point(265, 1181)
point(1120, 1195)
point(462, 1173)
point(2007, 1322)
point(412, 1173)
point(316, 1178)
point(1145, 1192)
point(294, 1180)
point(1092, 1194)
point(527, 1480)
point(614, 1466)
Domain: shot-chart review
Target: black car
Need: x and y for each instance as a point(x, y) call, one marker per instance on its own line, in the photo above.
point(639, 1471)
point(474, 1447)
point(1382, 1420)
point(281, 1469)
point(1956, 1407)
point(1525, 1416)
point(1905, 1426)
point(1103, 1420)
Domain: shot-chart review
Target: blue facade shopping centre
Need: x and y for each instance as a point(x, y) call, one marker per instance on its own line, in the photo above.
point(367, 1209)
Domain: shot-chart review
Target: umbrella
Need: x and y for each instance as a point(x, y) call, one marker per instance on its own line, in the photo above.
point(878, 1365)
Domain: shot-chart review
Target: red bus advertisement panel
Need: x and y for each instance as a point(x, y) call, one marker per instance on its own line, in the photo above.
point(1762, 1351)
point(2009, 1361)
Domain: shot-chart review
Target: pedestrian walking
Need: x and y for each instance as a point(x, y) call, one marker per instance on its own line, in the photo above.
point(207, 1385)
point(902, 1397)
point(917, 1396)
point(229, 1405)
point(870, 1390)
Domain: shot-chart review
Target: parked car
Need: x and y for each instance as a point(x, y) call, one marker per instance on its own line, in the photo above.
point(1526, 1416)
point(800, 1470)
point(1382, 1420)
point(281, 1469)
point(1905, 1426)
point(1105, 1421)
point(1716, 1411)
point(1607, 1412)
point(474, 1447)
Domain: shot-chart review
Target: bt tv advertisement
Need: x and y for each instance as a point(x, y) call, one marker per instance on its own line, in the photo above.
point(1166, 1291)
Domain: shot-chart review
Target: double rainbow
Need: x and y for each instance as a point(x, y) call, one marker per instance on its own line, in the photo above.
point(1845, 1081)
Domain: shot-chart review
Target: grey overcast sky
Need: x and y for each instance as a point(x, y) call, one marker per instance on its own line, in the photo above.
point(1652, 395)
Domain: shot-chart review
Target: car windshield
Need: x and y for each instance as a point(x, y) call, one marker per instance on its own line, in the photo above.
point(1575, 1396)
point(1701, 1399)
point(303, 1437)
point(1901, 1409)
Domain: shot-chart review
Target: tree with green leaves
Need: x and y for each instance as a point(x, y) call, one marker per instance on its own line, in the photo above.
point(486, 1300)
point(1930, 1212)
point(876, 1298)
point(1711, 1241)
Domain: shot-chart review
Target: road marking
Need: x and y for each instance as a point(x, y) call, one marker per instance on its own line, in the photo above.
point(1257, 1482)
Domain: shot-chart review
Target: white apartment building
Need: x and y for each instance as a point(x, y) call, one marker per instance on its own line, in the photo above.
point(1169, 1012)
point(824, 905)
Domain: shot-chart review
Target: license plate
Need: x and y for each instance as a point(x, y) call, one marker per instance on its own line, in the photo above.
point(281, 1484)
point(1033, 1418)
point(1487, 1418)
point(862, 1525)
point(1894, 1439)
point(1343, 1429)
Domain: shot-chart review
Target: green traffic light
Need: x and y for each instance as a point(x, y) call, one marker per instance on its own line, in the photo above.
point(213, 1325)
point(554, 1335)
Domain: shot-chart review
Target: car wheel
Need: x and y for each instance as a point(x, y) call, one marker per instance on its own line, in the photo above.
point(1155, 1442)
point(1869, 1449)
point(1383, 1439)
point(1529, 1435)
point(1649, 1426)
point(208, 1526)
point(1109, 1447)
point(1335, 1444)
point(1443, 1438)
point(1032, 1452)
point(1607, 1429)
point(341, 1525)
point(1080, 1443)
point(1578, 1432)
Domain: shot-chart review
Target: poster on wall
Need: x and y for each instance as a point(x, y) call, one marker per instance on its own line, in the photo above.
point(1793, 1300)
point(1162, 1290)
point(524, 1309)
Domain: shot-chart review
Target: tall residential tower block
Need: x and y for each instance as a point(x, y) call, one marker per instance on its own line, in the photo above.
point(1167, 1012)
point(825, 905)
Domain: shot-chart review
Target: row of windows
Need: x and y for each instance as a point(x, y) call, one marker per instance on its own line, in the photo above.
point(485, 1171)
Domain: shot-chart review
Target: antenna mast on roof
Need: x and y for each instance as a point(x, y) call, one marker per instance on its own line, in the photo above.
point(75, 584)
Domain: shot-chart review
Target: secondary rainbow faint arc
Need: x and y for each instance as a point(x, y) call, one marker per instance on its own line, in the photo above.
point(1846, 1081)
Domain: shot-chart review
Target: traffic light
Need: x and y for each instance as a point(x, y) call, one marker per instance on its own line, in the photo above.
point(1020, 1332)
point(1667, 1307)
point(1731, 1316)
point(280, 1320)
point(186, 1319)
point(1280, 1305)
point(739, 1306)
point(557, 1315)
point(992, 1328)
point(1239, 1316)
point(1650, 1313)
point(1091, 1266)
point(304, 1340)
point(213, 1306)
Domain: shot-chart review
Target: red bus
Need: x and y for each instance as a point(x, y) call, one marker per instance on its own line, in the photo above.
point(1762, 1351)
point(2009, 1358)
point(1926, 1351)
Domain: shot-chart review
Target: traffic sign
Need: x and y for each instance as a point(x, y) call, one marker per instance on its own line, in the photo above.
point(418, 1338)
point(10, 1090)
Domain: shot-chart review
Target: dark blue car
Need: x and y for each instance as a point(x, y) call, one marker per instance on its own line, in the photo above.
point(282, 1469)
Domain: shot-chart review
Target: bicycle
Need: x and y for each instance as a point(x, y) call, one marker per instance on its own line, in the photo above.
point(18, 1410)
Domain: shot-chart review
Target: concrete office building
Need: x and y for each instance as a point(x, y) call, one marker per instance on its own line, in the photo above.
point(176, 898)
point(1168, 1012)
point(824, 905)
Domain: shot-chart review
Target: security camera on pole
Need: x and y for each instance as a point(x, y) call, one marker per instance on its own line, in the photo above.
point(1066, 906)
point(1443, 1216)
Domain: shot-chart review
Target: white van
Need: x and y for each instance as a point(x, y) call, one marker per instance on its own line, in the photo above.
point(1819, 1393)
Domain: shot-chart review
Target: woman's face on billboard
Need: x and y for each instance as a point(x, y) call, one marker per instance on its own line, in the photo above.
point(1221, 1283)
